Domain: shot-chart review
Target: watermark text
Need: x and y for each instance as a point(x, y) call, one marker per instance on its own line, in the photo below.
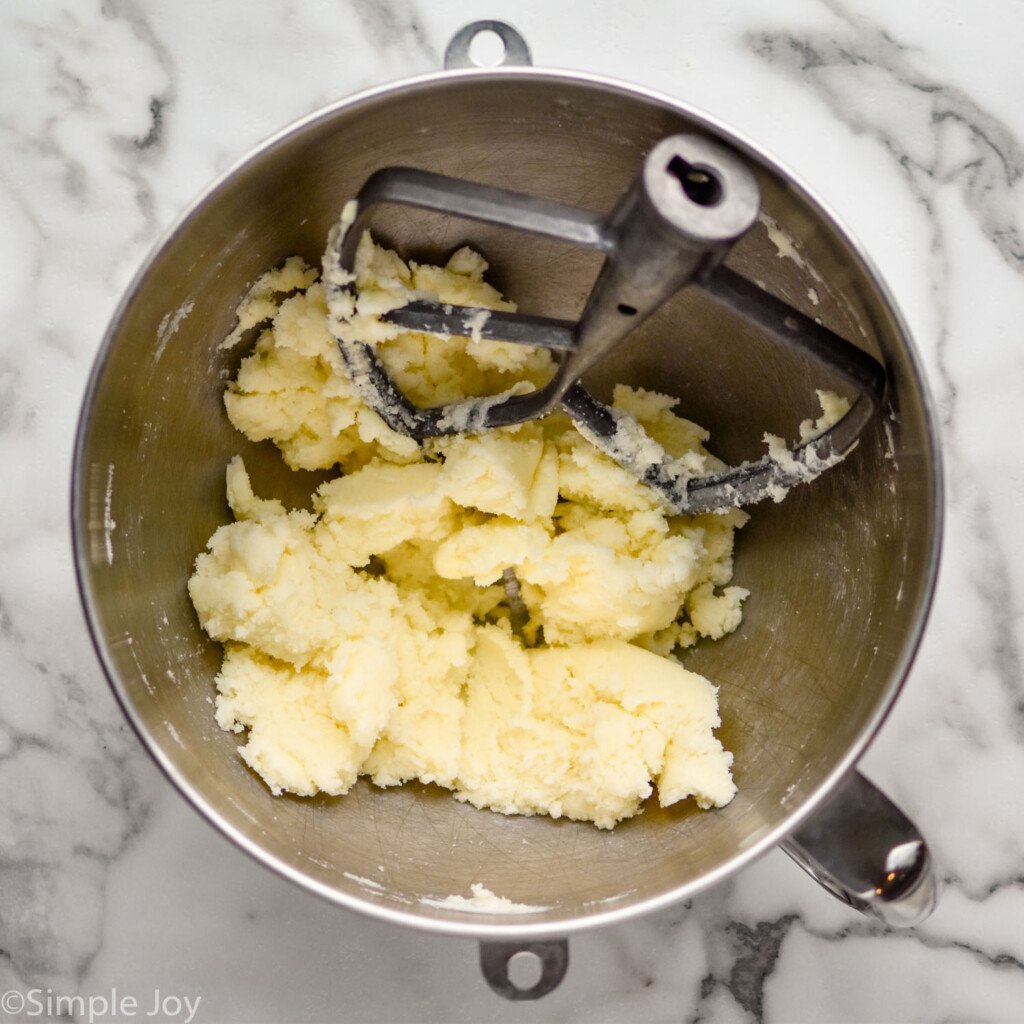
point(18, 1004)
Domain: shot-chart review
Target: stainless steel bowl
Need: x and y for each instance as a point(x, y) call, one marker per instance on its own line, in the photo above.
point(841, 573)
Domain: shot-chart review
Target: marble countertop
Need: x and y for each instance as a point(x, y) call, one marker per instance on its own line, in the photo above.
point(908, 120)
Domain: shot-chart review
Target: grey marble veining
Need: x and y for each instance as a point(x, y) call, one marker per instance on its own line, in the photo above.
point(113, 115)
point(943, 142)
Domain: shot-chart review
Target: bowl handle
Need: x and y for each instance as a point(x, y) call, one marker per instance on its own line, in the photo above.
point(865, 851)
point(860, 847)
point(495, 963)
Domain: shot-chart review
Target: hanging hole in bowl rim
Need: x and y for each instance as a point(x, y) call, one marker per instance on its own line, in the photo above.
point(487, 50)
point(525, 970)
point(487, 44)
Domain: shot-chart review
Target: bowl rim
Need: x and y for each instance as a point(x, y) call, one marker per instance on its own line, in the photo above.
point(488, 926)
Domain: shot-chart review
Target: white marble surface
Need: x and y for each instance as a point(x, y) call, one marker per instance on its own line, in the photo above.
point(906, 117)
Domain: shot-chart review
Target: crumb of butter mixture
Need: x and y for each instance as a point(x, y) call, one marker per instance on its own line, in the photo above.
point(371, 636)
point(482, 901)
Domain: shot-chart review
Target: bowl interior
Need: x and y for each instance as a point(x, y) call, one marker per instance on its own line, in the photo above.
point(839, 573)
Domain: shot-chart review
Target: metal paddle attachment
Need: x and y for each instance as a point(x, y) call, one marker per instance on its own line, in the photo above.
point(692, 201)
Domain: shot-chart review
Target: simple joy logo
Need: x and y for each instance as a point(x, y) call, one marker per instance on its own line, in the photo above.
point(16, 1004)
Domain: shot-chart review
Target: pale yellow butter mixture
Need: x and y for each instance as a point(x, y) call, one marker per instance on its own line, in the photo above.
point(371, 636)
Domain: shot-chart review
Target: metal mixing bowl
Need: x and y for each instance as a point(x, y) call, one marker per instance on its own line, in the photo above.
point(840, 573)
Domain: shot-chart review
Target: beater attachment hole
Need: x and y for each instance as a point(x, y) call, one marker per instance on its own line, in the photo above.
point(700, 184)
